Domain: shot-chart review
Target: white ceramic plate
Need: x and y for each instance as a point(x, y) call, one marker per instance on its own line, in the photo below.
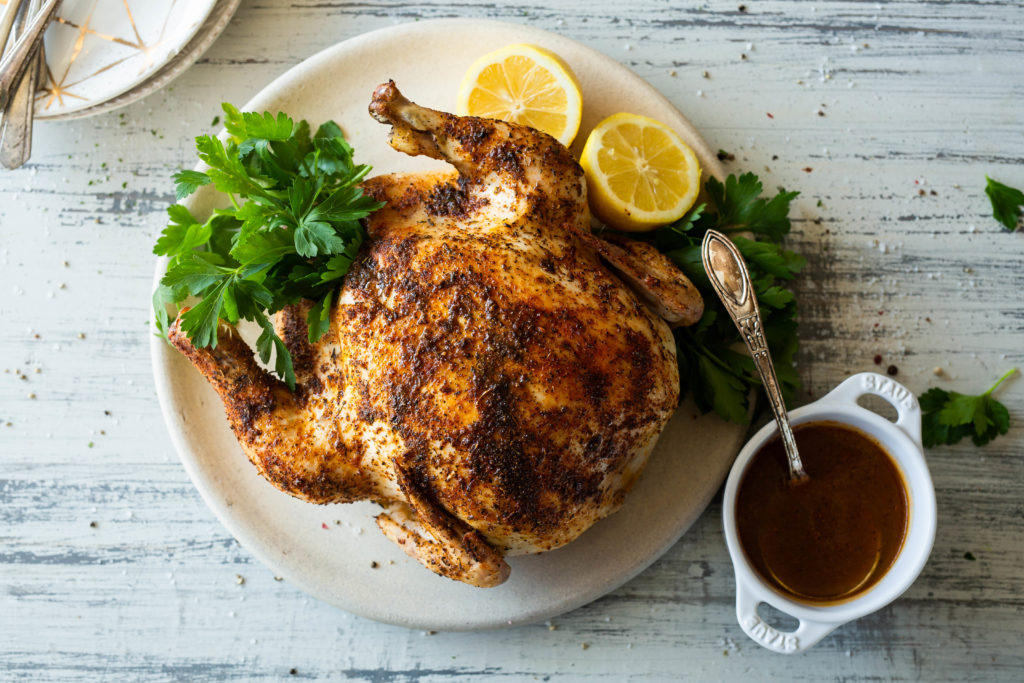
point(328, 551)
point(99, 49)
point(216, 22)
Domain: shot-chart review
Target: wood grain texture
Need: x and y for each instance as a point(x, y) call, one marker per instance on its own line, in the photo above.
point(914, 95)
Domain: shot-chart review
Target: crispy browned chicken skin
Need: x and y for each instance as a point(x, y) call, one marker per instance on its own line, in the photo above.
point(486, 377)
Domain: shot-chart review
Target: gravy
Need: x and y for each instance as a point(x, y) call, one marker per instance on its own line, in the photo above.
point(835, 536)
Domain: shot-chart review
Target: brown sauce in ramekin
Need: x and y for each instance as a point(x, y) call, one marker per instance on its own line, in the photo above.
point(834, 536)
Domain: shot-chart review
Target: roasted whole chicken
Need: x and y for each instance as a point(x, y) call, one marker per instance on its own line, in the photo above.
point(495, 376)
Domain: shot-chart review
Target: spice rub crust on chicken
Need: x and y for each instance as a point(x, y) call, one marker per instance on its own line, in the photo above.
point(495, 376)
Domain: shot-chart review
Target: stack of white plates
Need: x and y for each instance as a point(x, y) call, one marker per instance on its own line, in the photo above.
point(104, 54)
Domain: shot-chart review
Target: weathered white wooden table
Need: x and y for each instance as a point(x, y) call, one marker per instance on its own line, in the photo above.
point(886, 116)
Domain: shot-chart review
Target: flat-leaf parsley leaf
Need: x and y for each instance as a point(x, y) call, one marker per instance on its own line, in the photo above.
point(947, 417)
point(1006, 203)
point(292, 232)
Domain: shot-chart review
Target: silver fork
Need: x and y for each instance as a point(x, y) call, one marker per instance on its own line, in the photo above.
point(17, 59)
point(16, 126)
point(7, 21)
point(19, 107)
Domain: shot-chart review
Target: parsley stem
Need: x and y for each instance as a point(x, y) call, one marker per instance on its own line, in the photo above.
point(1000, 381)
point(707, 353)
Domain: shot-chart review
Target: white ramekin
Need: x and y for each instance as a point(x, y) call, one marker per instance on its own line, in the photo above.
point(902, 440)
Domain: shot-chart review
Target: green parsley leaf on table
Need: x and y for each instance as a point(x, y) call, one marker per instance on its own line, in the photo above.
point(711, 366)
point(1006, 203)
point(949, 417)
point(292, 231)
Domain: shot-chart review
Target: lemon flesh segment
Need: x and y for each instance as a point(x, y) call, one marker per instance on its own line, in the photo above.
point(524, 84)
point(640, 173)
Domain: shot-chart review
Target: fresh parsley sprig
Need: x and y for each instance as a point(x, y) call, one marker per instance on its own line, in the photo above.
point(291, 233)
point(947, 417)
point(719, 375)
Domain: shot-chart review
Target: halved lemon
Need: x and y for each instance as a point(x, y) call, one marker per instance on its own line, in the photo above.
point(640, 173)
point(524, 84)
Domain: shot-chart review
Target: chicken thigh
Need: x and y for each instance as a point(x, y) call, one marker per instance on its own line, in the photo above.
point(487, 378)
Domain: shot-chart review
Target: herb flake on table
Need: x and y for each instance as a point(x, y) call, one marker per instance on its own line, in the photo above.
point(711, 367)
point(291, 233)
point(949, 416)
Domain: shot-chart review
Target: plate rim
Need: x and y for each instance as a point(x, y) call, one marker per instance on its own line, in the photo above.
point(248, 540)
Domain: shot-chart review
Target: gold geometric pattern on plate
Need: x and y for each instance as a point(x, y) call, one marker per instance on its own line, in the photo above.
point(97, 35)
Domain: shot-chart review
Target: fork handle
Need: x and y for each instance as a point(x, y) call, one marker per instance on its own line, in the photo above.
point(16, 126)
point(17, 61)
point(7, 21)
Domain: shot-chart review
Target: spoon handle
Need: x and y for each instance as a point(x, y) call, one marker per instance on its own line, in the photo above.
point(728, 274)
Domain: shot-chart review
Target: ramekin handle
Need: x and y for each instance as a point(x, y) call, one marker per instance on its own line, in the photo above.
point(899, 397)
point(806, 635)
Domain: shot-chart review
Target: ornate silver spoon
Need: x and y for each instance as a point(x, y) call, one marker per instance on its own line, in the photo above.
point(728, 274)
